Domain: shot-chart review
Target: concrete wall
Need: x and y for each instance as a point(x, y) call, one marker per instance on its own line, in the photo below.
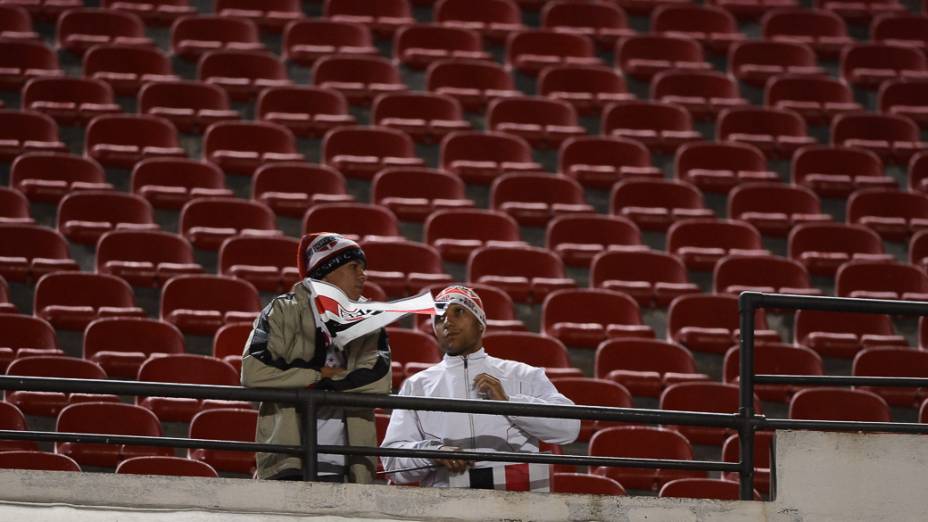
point(821, 476)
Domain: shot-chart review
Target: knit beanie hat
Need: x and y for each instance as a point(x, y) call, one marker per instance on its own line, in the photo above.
point(464, 296)
point(321, 253)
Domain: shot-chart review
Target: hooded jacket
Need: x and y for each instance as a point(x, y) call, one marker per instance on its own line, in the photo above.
point(283, 352)
point(453, 378)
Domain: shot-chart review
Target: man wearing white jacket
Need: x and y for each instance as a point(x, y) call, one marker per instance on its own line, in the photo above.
point(467, 372)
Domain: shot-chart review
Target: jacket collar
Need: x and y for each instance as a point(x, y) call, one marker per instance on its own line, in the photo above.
point(458, 360)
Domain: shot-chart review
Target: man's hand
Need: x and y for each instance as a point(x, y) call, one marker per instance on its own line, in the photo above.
point(489, 387)
point(455, 466)
point(328, 373)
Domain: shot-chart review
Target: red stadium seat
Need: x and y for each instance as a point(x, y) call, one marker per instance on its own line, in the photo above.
point(71, 300)
point(578, 239)
point(427, 117)
point(905, 98)
point(716, 489)
point(643, 56)
point(704, 93)
point(155, 12)
point(243, 74)
point(172, 182)
point(837, 334)
point(736, 274)
point(918, 172)
point(861, 12)
point(29, 251)
point(85, 216)
point(413, 350)
point(225, 424)
point(714, 397)
point(11, 418)
point(655, 204)
point(700, 243)
point(191, 106)
point(530, 51)
point(361, 152)
point(585, 484)
point(82, 28)
point(893, 214)
point(534, 199)
point(837, 171)
point(383, 17)
point(817, 98)
point(307, 111)
point(118, 140)
point(353, 220)
point(47, 176)
point(417, 46)
point(14, 207)
point(533, 349)
point(240, 147)
point(473, 83)
point(918, 249)
point(69, 100)
point(645, 366)
point(207, 222)
point(359, 78)
point(145, 258)
point(763, 446)
point(194, 36)
point(266, 262)
point(893, 362)
point(905, 29)
point(544, 122)
point(584, 391)
point(126, 68)
point(881, 280)
point(652, 278)
point(642, 442)
point(777, 132)
point(823, 247)
point(48, 404)
point(757, 61)
point(713, 27)
point(719, 167)
point(498, 306)
point(527, 274)
point(775, 208)
point(822, 30)
point(120, 345)
point(893, 138)
point(229, 343)
point(838, 404)
point(22, 60)
point(773, 359)
point(108, 418)
point(458, 232)
point(16, 24)
point(751, 9)
point(583, 318)
point(602, 21)
point(27, 131)
point(662, 127)
point(414, 193)
point(271, 15)
point(495, 19)
point(481, 157)
point(200, 304)
point(305, 41)
point(172, 466)
point(37, 460)
point(403, 268)
point(598, 161)
point(589, 88)
point(24, 335)
point(710, 323)
point(187, 369)
point(290, 188)
point(866, 65)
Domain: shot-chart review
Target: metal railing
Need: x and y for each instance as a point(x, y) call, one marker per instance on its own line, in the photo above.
point(746, 421)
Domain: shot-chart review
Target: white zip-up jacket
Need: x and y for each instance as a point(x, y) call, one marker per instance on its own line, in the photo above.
point(453, 378)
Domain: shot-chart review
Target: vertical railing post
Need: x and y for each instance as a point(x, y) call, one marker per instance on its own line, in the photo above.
point(309, 437)
point(747, 309)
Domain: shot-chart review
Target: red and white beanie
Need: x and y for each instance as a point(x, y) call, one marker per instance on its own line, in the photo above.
point(464, 296)
point(322, 252)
